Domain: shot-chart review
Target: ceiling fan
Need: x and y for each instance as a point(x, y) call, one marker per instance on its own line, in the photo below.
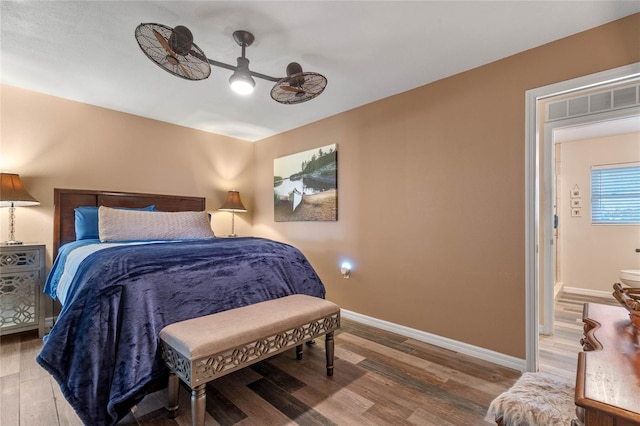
point(173, 50)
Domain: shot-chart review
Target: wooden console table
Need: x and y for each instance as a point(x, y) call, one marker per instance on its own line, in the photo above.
point(608, 379)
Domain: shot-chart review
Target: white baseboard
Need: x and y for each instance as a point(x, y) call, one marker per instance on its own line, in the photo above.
point(443, 342)
point(557, 289)
point(587, 292)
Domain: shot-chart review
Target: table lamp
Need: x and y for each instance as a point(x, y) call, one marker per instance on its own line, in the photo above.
point(12, 195)
point(233, 204)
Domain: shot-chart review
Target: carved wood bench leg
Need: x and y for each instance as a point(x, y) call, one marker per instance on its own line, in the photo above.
point(328, 348)
point(198, 403)
point(299, 350)
point(172, 395)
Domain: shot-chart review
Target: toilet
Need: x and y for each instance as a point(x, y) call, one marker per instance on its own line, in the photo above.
point(630, 277)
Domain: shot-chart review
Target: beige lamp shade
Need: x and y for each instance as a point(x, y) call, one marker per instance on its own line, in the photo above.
point(233, 203)
point(12, 195)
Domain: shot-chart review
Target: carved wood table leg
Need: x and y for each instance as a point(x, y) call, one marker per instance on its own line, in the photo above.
point(299, 352)
point(198, 403)
point(172, 395)
point(328, 346)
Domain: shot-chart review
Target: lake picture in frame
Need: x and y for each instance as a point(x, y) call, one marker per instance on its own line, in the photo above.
point(305, 186)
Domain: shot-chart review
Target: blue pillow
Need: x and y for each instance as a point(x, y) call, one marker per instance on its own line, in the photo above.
point(86, 221)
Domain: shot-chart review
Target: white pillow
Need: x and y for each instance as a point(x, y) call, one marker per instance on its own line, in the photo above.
point(124, 225)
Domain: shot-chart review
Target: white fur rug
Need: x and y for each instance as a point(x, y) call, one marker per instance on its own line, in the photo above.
point(536, 399)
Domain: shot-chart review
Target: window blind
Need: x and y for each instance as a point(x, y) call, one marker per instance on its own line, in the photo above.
point(615, 194)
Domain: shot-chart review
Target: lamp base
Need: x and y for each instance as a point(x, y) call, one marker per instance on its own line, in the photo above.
point(11, 243)
point(232, 235)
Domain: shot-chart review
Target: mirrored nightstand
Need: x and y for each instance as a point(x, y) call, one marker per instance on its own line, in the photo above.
point(22, 275)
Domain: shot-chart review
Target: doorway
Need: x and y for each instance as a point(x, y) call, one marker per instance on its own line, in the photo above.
point(559, 136)
point(539, 192)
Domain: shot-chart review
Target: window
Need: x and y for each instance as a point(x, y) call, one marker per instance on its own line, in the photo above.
point(615, 194)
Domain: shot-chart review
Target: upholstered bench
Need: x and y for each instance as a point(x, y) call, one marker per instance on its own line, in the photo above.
point(202, 349)
point(536, 399)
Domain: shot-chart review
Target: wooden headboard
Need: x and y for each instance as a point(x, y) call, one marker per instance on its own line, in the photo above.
point(66, 200)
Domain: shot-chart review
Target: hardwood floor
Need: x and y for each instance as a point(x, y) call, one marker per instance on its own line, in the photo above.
point(558, 352)
point(380, 379)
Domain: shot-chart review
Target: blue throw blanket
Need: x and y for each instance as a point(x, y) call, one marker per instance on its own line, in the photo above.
point(103, 349)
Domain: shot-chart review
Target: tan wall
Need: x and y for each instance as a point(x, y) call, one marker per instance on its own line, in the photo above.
point(431, 193)
point(56, 143)
point(431, 184)
point(591, 256)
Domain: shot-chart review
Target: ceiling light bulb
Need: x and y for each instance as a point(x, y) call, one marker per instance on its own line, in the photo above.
point(242, 86)
point(241, 81)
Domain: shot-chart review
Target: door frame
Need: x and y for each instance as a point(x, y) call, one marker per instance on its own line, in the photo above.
point(533, 123)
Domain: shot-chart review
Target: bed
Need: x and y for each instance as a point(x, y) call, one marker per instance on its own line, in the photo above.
point(118, 294)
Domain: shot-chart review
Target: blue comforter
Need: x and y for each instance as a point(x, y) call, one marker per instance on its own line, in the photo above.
point(103, 349)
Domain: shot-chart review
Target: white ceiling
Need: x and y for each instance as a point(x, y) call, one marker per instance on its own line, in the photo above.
point(597, 129)
point(368, 50)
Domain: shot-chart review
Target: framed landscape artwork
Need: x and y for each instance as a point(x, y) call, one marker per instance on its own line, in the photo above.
point(305, 186)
